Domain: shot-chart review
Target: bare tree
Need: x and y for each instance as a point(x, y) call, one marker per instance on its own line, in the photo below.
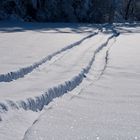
point(129, 8)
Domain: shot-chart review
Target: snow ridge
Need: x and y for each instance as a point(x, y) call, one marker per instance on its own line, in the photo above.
point(37, 103)
point(14, 75)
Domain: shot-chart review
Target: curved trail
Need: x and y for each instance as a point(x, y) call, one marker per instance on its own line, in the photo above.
point(48, 71)
point(95, 75)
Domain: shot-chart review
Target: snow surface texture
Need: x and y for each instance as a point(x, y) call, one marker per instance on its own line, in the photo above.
point(100, 73)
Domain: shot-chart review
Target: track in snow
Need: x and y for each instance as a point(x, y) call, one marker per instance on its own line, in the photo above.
point(98, 69)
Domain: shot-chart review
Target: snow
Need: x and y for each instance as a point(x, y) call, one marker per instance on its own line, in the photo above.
point(107, 109)
point(31, 46)
point(98, 69)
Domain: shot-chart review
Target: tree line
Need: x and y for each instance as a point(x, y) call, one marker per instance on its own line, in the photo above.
point(93, 11)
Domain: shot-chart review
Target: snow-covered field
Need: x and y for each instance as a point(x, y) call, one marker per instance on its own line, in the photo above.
point(69, 81)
